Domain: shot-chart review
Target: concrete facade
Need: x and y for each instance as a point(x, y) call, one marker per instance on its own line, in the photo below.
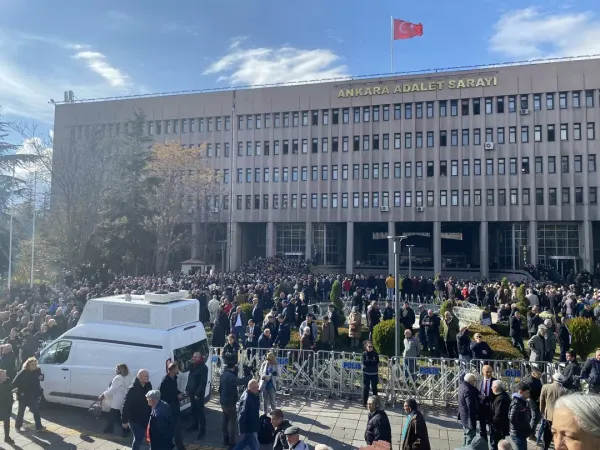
point(516, 144)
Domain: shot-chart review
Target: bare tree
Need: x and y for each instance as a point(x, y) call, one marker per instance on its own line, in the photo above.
point(182, 174)
point(78, 169)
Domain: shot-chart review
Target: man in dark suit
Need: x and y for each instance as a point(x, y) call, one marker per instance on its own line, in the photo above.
point(238, 322)
point(487, 398)
point(252, 335)
point(468, 407)
point(499, 424)
point(257, 311)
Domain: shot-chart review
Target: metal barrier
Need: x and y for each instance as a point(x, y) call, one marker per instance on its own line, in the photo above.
point(339, 374)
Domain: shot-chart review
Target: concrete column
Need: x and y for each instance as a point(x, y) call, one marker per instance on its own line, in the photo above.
point(484, 262)
point(234, 236)
point(391, 232)
point(309, 241)
point(270, 240)
point(532, 241)
point(587, 245)
point(349, 248)
point(437, 248)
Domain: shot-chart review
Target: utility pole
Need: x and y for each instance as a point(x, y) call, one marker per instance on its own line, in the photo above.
point(397, 240)
point(410, 260)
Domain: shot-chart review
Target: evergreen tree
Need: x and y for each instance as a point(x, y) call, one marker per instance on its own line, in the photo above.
point(124, 240)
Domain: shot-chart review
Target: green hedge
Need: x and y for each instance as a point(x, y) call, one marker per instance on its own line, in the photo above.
point(585, 336)
point(384, 335)
point(247, 310)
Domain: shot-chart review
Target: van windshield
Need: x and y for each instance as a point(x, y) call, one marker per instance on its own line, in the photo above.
point(183, 355)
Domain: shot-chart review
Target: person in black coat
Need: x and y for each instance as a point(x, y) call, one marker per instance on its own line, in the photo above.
point(8, 361)
point(370, 363)
point(468, 407)
point(220, 328)
point(171, 395)
point(29, 392)
point(378, 425)
point(481, 350)
point(564, 339)
point(284, 333)
point(279, 426)
point(136, 411)
point(257, 311)
point(196, 391)
point(572, 371)
point(519, 416)
point(407, 317)
point(499, 425)
point(515, 331)
point(248, 416)
point(231, 350)
point(6, 402)
point(431, 323)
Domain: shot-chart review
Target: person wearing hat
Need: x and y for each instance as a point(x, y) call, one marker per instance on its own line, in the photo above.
point(550, 394)
point(292, 434)
point(160, 426)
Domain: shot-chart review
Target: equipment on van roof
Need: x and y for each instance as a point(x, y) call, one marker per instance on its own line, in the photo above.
point(155, 311)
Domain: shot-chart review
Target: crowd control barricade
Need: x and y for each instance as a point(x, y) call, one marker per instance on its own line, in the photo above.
point(425, 379)
point(341, 374)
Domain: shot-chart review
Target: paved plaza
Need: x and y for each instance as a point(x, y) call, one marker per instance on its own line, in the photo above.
point(337, 423)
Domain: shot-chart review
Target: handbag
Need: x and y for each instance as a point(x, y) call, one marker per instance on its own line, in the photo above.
point(96, 409)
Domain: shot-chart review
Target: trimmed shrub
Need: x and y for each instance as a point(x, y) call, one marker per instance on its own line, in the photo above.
point(585, 336)
point(342, 343)
point(384, 335)
point(521, 295)
point(247, 310)
point(335, 296)
point(523, 308)
point(504, 283)
point(448, 305)
point(501, 345)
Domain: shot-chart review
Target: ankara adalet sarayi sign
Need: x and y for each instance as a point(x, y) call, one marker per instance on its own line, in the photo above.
point(419, 87)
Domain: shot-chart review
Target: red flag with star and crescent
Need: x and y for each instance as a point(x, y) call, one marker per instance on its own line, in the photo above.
point(407, 30)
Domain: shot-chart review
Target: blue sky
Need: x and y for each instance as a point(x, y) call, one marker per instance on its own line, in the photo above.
point(113, 48)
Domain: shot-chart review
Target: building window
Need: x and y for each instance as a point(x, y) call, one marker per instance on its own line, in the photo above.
point(578, 163)
point(443, 108)
point(477, 167)
point(477, 197)
point(501, 197)
point(500, 105)
point(454, 197)
point(525, 196)
point(591, 163)
point(465, 136)
point(579, 196)
point(501, 166)
point(429, 109)
point(512, 135)
point(566, 196)
point(407, 140)
point(589, 98)
point(500, 135)
point(454, 168)
point(315, 118)
point(454, 107)
point(408, 199)
point(512, 103)
point(408, 111)
point(365, 202)
point(430, 199)
point(591, 131)
point(386, 113)
point(335, 119)
point(419, 110)
point(366, 114)
point(366, 143)
point(552, 197)
point(375, 113)
point(537, 133)
point(524, 134)
point(397, 111)
point(443, 198)
point(344, 200)
point(525, 165)
point(489, 195)
point(397, 201)
point(346, 115)
point(562, 100)
point(466, 197)
point(564, 164)
point(593, 196)
point(356, 112)
point(443, 138)
point(539, 196)
point(454, 138)
point(489, 105)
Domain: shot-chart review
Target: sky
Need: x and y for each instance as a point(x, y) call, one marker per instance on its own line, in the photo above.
point(116, 48)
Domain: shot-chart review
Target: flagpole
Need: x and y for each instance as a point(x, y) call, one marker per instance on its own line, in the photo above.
point(391, 44)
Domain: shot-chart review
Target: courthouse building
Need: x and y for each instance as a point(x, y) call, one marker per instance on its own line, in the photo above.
point(487, 169)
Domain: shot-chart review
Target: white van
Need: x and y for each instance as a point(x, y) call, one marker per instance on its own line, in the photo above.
point(143, 332)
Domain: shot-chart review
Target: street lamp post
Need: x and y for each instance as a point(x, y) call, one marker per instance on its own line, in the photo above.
point(410, 260)
point(397, 240)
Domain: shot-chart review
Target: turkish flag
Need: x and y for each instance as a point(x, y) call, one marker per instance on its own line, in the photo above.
point(406, 30)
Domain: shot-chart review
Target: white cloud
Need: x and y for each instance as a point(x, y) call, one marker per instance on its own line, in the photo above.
point(275, 65)
point(26, 90)
point(533, 33)
point(98, 63)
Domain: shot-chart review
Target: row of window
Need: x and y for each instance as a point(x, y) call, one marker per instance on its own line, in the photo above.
point(474, 106)
point(466, 197)
point(376, 142)
point(466, 167)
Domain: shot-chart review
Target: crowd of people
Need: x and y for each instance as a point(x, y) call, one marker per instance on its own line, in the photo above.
point(281, 294)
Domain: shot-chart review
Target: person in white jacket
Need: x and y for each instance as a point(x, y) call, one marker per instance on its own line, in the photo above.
point(213, 308)
point(269, 374)
point(115, 395)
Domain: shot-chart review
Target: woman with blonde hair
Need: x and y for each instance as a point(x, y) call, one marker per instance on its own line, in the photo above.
point(115, 395)
point(29, 392)
point(269, 374)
